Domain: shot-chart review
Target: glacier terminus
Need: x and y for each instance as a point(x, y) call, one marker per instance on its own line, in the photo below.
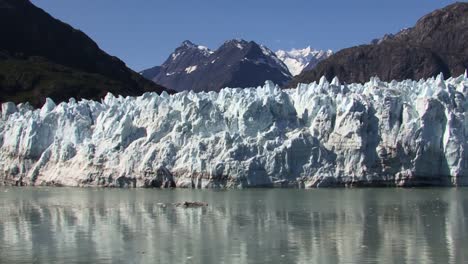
point(409, 133)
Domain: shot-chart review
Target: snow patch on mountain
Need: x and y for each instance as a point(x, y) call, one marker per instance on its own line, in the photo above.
point(191, 69)
point(205, 49)
point(320, 134)
point(174, 56)
point(298, 59)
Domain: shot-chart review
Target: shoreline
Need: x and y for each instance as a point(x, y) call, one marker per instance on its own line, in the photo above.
point(410, 183)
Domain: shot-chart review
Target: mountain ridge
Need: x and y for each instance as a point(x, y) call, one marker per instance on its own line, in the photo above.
point(45, 57)
point(236, 63)
point(438, 43)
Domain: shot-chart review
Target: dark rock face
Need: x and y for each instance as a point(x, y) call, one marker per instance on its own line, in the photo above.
point(151, 72)
point(437, 43)
point(237, 63)
point(41, 57)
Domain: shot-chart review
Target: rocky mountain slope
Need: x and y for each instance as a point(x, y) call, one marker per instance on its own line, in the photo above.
point(237, 63)
point(437, 43)
point(409, 133)
point(43, 57)
point(298, 60)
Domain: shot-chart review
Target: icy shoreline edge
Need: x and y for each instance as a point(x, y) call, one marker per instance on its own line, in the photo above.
point(409, 133)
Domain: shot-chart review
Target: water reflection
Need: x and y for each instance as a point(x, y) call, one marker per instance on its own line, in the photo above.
point(239, 226)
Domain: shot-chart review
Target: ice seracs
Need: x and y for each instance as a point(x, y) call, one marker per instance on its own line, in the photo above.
point(408, 133)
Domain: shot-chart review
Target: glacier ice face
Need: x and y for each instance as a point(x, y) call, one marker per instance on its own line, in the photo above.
point(327, 134)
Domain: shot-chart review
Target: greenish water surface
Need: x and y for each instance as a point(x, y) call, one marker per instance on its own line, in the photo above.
point(73, 225)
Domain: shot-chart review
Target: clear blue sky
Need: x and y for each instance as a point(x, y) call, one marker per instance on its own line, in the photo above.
point(144, 32)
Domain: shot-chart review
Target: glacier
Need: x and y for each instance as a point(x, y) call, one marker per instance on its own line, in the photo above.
point(409, 133)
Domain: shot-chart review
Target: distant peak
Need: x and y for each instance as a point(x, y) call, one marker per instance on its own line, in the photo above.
point(238, 43)
point(188, 43)
point(305, 52)
point(236, 40)
point(188, 47)
point(298, 59)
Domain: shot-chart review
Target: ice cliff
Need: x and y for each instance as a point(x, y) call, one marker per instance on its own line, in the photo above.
point(408, 133)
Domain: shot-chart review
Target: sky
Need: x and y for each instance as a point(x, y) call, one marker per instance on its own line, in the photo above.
point(143, 33)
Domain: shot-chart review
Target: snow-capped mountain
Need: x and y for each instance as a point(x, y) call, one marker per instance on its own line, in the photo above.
point(183, 60)
point(237, 63)
point(406, 133)
point(299, 59)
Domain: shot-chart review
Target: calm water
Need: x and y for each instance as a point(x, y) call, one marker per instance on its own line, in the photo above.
point(65, 225)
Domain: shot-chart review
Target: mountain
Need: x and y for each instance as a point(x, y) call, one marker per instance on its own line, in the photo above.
point(237, 63)
point(378, 134)
point(299, 59)
point(437, 43)
point(389, 36)
point(41, 57)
